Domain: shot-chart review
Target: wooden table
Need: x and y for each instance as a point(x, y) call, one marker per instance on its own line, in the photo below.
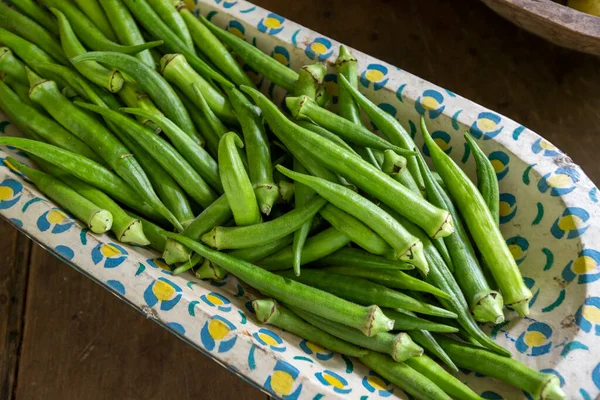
point(63, 337)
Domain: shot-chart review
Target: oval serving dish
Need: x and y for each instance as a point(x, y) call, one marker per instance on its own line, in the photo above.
point(549, 217)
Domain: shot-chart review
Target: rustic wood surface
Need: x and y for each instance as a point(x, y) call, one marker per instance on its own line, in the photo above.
point(555, 22)
point(64, 337)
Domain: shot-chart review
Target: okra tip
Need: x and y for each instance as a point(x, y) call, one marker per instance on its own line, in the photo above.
point(208, 270)
point(135, 234)
point(489, 308)
point(34, 79)
point(175, 252)
point(416, 256)
point(405, 348)
point(4, 51)
point(316, 71)
point(115, 81)
point(344, 56)
point(210, 238)
point(101, 221)
point(377, 322)
point(446, 228)
point(167, 59)
point(522, 307)
point(295, 105)
point(266, 195)
point(264, 309)
point(552, 390)
point(233, 137)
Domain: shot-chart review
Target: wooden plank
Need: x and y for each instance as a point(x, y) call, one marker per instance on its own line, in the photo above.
point(81, 342)
point(14, 255)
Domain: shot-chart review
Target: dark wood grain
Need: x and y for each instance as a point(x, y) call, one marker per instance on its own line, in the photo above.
point(14, 259)
point(80, 342)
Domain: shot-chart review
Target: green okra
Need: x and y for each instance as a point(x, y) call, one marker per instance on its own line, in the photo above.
point(403, 376)
point(405, 321)
point(93, 10)
point(253, 254)
point(440, 276)
point(28, 52)
point(126, 228)
point(539, 385)
point(100, 139)
point(150, 81)
point(487, 181)
point(194, 260)
point(12, 66)
point(152, 233)
point(257, 150)
point(111, 80)
point(358, 232)
point(134, 97)
point(436, 222)
point(212, 48)
point(315, 248)
point(87, 170)
point(391, 278)
point(347, 65)
point(176, 69)
point(395, 166)
point(236, 182)
point(302, 194)
point(388, 125)
point(156, 27)
point(212, 127)
point(427, 341)
point(215, 214)
point(36, 12)
point(22, 92)
point(445, 381)
point(208, 270)
point(194, 154)
point(399, 346)
point(310, 79)
point(369, 320)
point(167, 189)
point(30, 30)
point(126, 28)
point(163, 153)
point(167, 12)
point(270, 312)
point(305, 108)
point(319, 130)
point(365, 292)
point(97, 219)
point(25, 116)
point(486, 304)
point(91, 36)
point(406, 247)
point(358, 258)
point(256, 59)
point(483, 228)
point(254, 235)
point(75, 84)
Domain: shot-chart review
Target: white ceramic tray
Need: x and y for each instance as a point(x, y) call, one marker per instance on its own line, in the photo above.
point(549, 215)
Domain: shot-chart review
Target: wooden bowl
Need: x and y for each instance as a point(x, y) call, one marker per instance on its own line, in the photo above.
point(555, 22)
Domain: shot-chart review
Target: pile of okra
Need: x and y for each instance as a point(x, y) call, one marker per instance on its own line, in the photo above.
point(143, 122)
